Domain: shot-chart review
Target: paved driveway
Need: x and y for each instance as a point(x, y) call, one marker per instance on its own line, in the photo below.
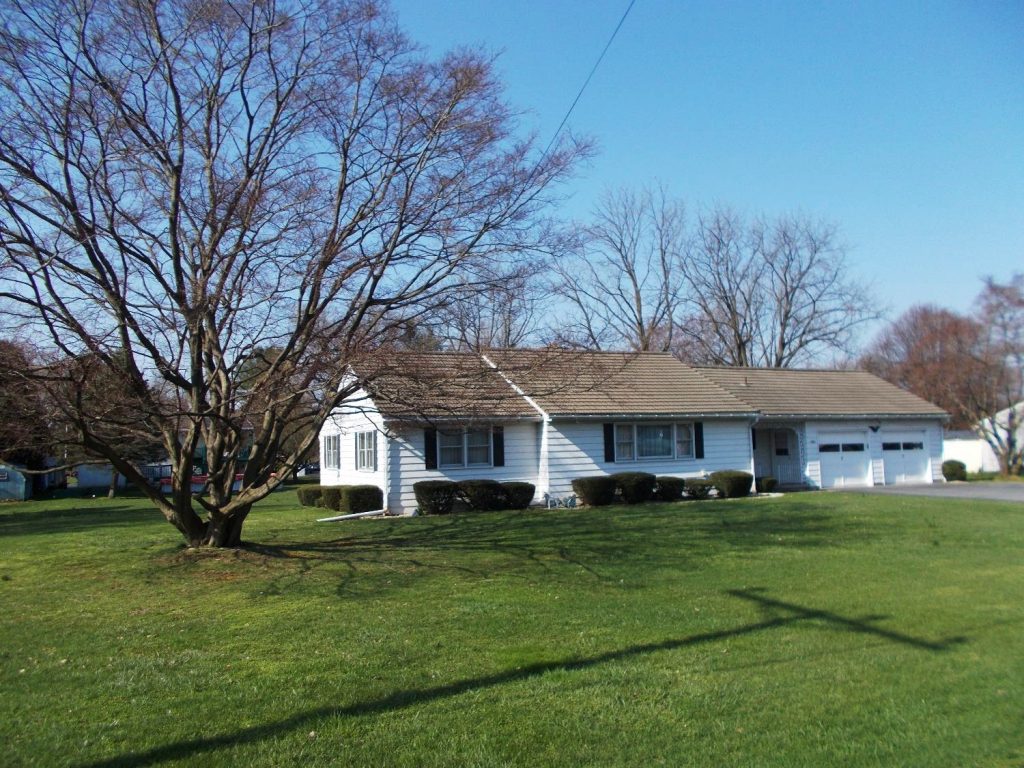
point(976, 490)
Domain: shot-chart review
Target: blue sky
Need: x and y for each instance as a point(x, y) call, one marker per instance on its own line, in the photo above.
point(902, 123)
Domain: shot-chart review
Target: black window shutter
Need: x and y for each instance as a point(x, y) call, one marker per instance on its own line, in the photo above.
point(430, 448)
point(499, 446)
point(753, 438)
point(698, 439)
point(609, 442)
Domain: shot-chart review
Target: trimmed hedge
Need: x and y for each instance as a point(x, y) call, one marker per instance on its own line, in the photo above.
point(518, 495)
point(731, 484)
point(635, 487)
point(435, 497)
point(483, 495)
point(330, 497)
point(954, 470)
point(669, 488)
point(766, 484)
point(698, 488)
point(361, 498)
point(309, 497)
point(596, 490)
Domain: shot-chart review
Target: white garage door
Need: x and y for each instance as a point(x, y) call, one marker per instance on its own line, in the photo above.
point(845, 460)
point(905, 457)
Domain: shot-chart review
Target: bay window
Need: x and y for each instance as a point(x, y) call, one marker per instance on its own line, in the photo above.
point(648, 442)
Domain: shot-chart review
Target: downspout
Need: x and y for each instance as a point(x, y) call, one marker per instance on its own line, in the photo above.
point(753, 460)
point(543, 484)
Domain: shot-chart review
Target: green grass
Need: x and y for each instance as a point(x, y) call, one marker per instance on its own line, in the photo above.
point(808, 630)
point(994, 476)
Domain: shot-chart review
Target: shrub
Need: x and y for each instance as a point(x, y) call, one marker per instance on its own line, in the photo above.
point(954, 470)
point(698, 488)
point(732, 484)
point(766, 484)
point(595, 491)
point(435, 497)
point(483, 495)
point(635, 487)
point(309, 497)
point(330, 497)
point(361, 498)
point(669, 488)
point(518, 495)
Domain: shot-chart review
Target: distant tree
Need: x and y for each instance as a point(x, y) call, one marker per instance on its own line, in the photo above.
point(934, 353)
point(183, 184)
point(998, 401)
point(624, 284)
point(26, 430)
point(768, 294)
point(495, 311)
point(973, 366)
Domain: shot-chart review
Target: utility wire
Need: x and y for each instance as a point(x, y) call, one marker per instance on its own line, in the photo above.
point(586, 82)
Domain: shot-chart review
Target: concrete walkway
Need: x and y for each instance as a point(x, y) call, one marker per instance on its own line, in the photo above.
point(976, 490)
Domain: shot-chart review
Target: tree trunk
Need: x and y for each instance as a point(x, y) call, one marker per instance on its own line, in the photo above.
point(112, 490)
point(223, 530)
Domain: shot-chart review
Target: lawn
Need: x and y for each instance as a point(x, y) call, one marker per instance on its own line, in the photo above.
point(812, 629)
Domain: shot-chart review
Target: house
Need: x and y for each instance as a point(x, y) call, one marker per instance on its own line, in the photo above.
point(548, 416)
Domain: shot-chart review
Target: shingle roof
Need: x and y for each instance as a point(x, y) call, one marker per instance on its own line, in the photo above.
point(584, 383)
point(794, 392)
point(441, 385)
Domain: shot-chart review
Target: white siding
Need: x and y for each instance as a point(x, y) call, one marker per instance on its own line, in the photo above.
point(814, 429)
point(976, 454)
point(347, 421)
point(577, 450)
point(407, 463)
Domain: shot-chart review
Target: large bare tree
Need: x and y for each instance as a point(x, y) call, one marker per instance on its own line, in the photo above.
point(183, 184)
point(769, 293)
point(624, 284)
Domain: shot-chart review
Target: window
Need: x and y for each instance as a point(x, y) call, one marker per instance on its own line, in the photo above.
point(913, 446)
point(331, 454)
point(641, 442)
point(684, 441)
point(853, 447)
point(450, 445)
point(829, 448)
point(366, 451)
point(890, 446)
point(465, 447)
point(624, 442)
point(781, 438)
point(478, 447)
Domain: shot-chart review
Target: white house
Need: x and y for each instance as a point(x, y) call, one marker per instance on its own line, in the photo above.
point(548, 416)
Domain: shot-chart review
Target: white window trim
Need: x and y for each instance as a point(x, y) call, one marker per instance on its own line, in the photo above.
point(465, 448)
point(675, 455)
point(365, 451)
point(331, 458)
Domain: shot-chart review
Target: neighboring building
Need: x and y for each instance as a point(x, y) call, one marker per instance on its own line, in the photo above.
point(14, 485)
point(975, 453)
point(974, 450)
point(548, 416)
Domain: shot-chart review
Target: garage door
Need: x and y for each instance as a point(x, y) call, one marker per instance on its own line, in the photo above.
point(845, 460)
point(905, 457)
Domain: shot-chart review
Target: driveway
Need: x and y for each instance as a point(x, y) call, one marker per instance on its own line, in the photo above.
point(976, 490)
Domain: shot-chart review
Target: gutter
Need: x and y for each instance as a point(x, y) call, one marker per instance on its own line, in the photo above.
point(353, 516)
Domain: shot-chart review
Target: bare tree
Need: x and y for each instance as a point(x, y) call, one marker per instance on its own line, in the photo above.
point(183, 184)
point(769, 294)
point(497, 311)
point(998, 400)
point(624, 284)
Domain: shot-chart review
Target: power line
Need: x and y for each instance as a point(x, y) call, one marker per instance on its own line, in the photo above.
point(586, 82)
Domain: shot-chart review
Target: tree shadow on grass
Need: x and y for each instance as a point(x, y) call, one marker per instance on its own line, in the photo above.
point(605, 546)
point(775, 613)
point(72, 519)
